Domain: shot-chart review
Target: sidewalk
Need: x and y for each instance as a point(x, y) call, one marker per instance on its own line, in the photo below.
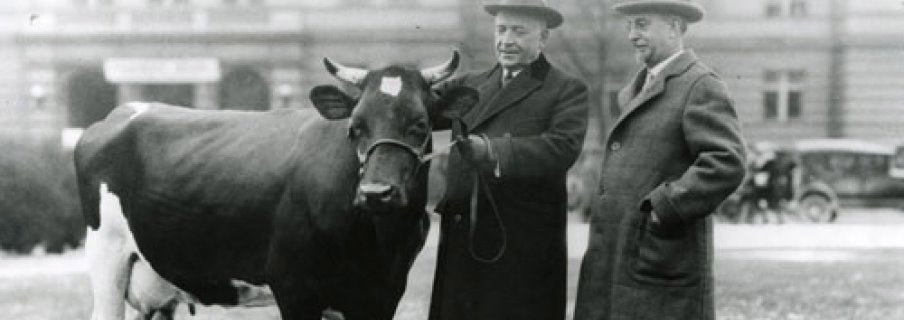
point(790, 236)
point(821, 236)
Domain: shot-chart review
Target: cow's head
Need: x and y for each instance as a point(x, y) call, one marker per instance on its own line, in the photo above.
point(389, 124)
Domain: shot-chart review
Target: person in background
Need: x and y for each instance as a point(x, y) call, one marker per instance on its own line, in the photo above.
point(502, 249)
point(672, 157)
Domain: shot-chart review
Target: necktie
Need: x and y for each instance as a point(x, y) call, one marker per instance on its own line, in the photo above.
point(508, 75)
point(648, 82)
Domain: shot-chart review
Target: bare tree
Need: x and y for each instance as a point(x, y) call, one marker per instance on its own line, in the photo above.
point(586, 51)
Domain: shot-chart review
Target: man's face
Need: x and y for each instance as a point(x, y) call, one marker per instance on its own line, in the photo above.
point(654, 37)
point(519, 38)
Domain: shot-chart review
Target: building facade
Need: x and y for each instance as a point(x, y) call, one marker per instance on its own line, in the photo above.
point(796, 68)
point(69, 62)
point(801, 69)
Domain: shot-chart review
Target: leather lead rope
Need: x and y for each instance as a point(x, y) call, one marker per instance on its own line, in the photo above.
point(481, 184)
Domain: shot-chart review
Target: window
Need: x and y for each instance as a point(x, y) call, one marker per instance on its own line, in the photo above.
point(798, 8)
point(243, 2)
point(160, 3)
point(92, 3)
point(781, 8)
point(783, 95)
point(773, 9)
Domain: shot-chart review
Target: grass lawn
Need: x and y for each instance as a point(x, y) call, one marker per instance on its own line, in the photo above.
point(859, 284)
point(844, 285)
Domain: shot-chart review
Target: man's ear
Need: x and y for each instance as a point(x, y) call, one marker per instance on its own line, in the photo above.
point(331, 102)
point(456, 102)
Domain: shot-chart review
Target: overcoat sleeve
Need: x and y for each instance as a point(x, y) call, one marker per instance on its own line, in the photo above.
point(551, 152)
point(712, 133)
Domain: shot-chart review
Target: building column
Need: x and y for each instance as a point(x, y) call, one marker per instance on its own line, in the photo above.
point(45, 112)
point(206, 96)
point(127, 92)
point(836, 112)
point(285, 88)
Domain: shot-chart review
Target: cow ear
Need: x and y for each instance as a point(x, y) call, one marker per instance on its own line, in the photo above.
point(456, 102)
point(331, 102)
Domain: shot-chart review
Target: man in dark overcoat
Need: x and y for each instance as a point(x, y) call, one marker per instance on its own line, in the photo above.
point(502, 248)
point(672, 157)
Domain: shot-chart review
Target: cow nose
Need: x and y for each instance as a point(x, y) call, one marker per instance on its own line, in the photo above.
point(376, 191)
point(375, 195)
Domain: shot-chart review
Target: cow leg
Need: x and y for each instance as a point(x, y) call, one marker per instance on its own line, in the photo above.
point(111, 251)
point(370, 307)
point(109, 261)
point(296, 305)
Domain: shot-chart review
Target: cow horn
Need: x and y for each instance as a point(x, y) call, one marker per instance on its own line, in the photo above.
point(351, 75)
point(441, 72)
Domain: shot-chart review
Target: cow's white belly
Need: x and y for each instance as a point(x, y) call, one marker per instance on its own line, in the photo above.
point(148, 291)
point(115, 273)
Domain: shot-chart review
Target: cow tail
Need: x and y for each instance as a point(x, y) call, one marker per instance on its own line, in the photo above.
point(95, 153)
point(89, 194)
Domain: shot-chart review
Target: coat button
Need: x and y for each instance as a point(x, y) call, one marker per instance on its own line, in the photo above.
point(615, 146)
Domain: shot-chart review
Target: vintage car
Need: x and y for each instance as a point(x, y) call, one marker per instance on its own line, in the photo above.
point(828, 174)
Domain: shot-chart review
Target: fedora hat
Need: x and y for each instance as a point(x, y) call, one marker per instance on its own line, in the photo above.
point(537, 8)
point(686, 9)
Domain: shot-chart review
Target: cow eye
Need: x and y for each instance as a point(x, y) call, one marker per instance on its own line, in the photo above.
point(354, 131)
point(418, 128)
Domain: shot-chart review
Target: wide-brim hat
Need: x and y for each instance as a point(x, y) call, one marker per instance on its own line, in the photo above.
point(686, 9)
point(537, 8)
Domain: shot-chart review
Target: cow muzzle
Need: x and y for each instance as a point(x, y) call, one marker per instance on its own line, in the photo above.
point(377, 196)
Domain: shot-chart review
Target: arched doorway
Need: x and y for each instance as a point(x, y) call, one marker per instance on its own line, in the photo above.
point(90, 98)
point(244, 89)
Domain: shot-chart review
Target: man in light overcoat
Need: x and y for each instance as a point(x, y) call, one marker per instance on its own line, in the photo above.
point(672, 157)
point(502, 249)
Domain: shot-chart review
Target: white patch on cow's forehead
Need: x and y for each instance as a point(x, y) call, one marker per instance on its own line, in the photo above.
point(139, 107)
point(391, 86)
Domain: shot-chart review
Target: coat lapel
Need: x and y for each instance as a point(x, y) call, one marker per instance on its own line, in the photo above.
point(520, 87)
point(630, 91)
point(632, 102)
point(487, 89)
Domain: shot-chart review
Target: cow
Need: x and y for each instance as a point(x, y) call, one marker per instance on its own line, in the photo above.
point(324, 207)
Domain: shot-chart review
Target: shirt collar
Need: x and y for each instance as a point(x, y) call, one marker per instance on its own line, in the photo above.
point(657, 69)
point(514, 72)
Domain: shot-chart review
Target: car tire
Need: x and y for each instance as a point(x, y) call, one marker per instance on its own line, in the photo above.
point(816, 208)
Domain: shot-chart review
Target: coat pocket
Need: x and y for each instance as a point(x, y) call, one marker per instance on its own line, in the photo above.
point(669, 258)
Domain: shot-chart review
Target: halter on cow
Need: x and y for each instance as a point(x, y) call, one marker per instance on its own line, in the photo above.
point(380, 189)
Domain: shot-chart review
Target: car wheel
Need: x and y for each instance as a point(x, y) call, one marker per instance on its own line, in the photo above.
point(816, 208)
